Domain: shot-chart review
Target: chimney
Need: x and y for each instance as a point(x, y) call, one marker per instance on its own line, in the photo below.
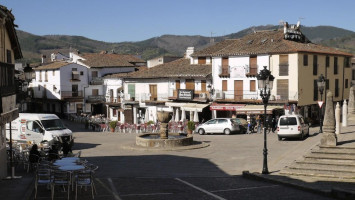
point(43, 57)
point(285, 27)
point(189, 51)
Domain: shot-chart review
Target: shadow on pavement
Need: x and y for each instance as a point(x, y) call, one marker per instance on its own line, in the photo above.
point(81, 146)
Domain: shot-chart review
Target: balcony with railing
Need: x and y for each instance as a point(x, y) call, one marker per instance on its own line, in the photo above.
point(97, 81)
point(71, 94)
point(96, 99)
point(253, 71)
point(224, 71)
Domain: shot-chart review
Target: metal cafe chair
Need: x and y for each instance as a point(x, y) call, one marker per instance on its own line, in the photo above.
point(43, 177)
point(61, 178)
point(84, 179)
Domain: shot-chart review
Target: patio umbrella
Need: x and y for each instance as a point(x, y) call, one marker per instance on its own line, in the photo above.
point(183, 115)
point(196, 116)
point(177, 115)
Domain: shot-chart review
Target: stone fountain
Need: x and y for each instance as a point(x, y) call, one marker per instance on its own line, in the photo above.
point(163, 139)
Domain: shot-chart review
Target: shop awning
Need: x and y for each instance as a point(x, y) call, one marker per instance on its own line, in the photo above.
point(194, 107)
point(174, 104)
point(257, 109)
point(231, 107)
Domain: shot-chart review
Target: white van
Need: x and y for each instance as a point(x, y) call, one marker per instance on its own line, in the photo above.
point(292, 126)
point(38, 128)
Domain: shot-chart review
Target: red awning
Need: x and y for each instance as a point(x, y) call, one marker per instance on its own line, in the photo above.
point(231, 107)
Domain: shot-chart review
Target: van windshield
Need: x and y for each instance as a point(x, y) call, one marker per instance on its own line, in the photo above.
point(53, 124)
point(287, 121)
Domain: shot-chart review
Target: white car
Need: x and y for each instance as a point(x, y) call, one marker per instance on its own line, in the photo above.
point(292, 126)
point(219, 125)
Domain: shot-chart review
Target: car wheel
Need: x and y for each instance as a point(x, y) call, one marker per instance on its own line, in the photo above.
point(227, 131)
point(280, 138)
point(201, 131)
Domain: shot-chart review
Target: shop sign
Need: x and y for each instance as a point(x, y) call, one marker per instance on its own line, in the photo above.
point(231, 107)
point(185, 94)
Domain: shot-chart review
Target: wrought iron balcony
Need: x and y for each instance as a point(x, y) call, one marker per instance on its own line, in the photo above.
point(97, 81)
point(96, 99)
point(71, 94)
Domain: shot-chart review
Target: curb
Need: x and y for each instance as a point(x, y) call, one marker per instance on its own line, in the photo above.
point(198, 145)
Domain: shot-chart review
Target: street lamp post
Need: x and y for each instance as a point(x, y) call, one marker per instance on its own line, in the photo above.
point(265, 84)
point(28, 71)
point(321, 85)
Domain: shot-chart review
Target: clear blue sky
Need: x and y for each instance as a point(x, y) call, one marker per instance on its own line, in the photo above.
point(136, 20)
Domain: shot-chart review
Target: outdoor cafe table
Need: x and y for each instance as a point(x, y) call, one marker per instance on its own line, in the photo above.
point(71, 167)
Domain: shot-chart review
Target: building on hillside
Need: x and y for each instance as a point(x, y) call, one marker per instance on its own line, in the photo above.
point(9, 51)
point(99, 65)
point(295, 62)
point(161, 60)
point(172, 87)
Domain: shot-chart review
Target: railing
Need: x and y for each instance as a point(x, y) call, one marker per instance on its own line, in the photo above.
point(71, 94)
point(253, 71)
point(7, 81)
point(97, 81)
point(96, 98)
point(224, 71)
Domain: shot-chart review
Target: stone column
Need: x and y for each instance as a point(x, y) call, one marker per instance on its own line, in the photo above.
point(345, 114)
point(337, 119)
point(329, 137)
point(351, 105)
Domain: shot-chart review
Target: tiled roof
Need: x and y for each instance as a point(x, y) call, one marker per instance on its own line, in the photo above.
point(177, 68)
point(53, 65)
point(265, 42)
point(109, 60)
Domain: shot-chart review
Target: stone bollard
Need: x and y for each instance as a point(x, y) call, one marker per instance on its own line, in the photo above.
point(329, 137)
point(337, 119)
point(345, 114)
point(351, 104)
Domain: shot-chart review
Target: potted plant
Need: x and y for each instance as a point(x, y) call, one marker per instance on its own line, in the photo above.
point(190, 127)
point(113, 125)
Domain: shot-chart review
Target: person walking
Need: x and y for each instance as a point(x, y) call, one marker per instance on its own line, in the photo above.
point(249, 127)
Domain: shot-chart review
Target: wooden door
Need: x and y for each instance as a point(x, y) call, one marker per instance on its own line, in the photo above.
point(74, 89)
point(224, 85)
point(153, 92)
point(238, 89)
point(252, 86)
point(177, 87)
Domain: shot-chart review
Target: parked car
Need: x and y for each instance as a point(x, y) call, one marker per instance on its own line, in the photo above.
point(219, 125)
point(292, 126)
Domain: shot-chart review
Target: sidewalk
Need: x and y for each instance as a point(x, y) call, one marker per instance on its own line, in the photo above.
point(17, 188)
point(338, 188)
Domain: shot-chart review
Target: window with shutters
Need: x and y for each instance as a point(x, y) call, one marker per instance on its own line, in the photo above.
point(252, 86)
point(132, 90)
point(224, 85)
point(282, 89)
point(336, 88)
point(8, 55)
point(346, 62)
point(201, 60)
point(190, 84)
point(95, 92)
point(305, 60)
point(253, 67)
point(283, 67)
point(94, 74)
point(327, 61)
point(153, 92)
point(177, 84)
point(315, 90)
point(346, 83)
point(46, 76)
point(335, 65)
point(315, 64)
point(225, 67)
point(203, 85)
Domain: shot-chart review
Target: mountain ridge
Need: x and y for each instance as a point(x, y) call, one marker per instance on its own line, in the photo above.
point(33, 46)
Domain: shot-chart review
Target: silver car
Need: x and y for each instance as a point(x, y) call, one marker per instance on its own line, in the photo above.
point(219, 125)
